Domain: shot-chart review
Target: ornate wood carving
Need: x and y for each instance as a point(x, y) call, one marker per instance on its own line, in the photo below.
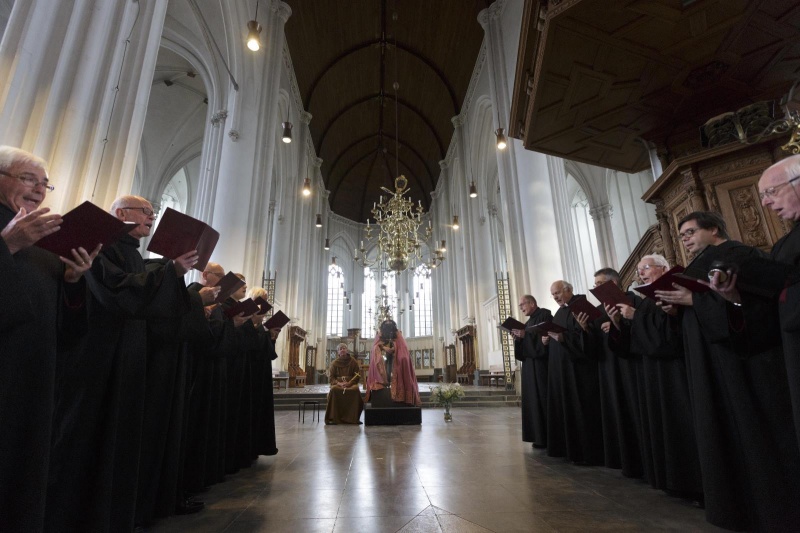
point(297, 375)
point(466, 336)
point(723, 180)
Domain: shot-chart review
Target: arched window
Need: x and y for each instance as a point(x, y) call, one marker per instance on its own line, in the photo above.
point(368, 307)
point(335, 301)
point(423, 312)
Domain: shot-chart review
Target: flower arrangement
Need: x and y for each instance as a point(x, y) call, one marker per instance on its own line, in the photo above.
point(445, 395)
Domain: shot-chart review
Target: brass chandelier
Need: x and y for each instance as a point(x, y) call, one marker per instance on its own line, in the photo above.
point(398, 239)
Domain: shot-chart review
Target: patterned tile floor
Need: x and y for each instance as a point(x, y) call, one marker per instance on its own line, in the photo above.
point(473, 474)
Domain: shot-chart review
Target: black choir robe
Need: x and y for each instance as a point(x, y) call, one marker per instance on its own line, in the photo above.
point(95, 458)
point(201, 346)
point(40, 316)
point(655, 344)
point(748, 452)
point(163, 421)
point(533, 356)
point(619, 401)
point(574, 428)
point(264, 441)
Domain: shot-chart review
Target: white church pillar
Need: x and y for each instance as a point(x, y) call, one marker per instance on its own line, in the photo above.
point(245, 170)
point(76, 79)
point(465, 235)
point(601, 215)
point(519, 277)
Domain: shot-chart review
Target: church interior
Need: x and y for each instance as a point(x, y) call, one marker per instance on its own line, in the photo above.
point(537, 140)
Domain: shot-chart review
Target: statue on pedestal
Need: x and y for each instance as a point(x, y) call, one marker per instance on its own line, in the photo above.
point(391, 370)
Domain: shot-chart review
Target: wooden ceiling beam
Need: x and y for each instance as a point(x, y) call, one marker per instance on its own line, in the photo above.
point(335, 189)
point(369, 97)
point(379, 134)
point(372, 42)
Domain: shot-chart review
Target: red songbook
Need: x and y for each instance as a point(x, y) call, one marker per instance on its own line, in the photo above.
point(263, 305)
point(664, 283)
point(609, 294)
point(277, 321)
point(229, 284)
point(546, 327)
point(177, 234)
point(582, 305)
point(248, 307)
point(511, 323)
point(87, 225)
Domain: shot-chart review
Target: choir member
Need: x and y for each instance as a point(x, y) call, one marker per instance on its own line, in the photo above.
point(533, 356)
point(42, 300)
point(94, 475)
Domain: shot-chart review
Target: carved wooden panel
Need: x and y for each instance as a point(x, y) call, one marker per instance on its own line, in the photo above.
point(724, 180)
point(594, 77)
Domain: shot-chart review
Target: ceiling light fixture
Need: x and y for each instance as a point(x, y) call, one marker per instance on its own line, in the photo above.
point(473, 190)
point(501, 139)
point(443, 248)
point(287, 131)
point(253, 31)
point(455, 222)
point(307, 187)
point(327, 244)
point(319, 220)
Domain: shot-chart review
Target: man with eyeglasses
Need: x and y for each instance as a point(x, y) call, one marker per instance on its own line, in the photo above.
point(749, 457)
point(43, 310)
point(651, 340)
point(94, 475)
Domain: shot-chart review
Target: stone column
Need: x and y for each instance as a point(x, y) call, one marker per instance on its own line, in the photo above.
point(74, 90)
point(248, 154)
point(601, 215)
point(465, 235)
point(499, 92)
point(564, 226)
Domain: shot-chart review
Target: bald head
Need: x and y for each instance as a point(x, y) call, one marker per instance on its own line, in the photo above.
point(778, 188)
point(561, 291)
point(212, 274)
point(137, 210)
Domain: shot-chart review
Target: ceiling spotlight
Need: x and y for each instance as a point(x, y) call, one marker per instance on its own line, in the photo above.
point(501, 139)
point(473, 190)
point(287, 132)
point(443, 248)
point(455, 222)
point(319, 221)
point(327, 244)
point(253, 38)
point(333, 260)
point(307, 187)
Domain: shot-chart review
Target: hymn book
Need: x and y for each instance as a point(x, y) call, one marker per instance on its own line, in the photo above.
point(547, 326)
point(610, 294)
point(664, 283)
point(277, 321)
point(178, 234)
point(510, 324)
point(85, 226)
point(245, 308)
point(263, 305)
point(581, 305)
point(229, 284)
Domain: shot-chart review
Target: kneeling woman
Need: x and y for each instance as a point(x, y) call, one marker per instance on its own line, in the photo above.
point(344, 399)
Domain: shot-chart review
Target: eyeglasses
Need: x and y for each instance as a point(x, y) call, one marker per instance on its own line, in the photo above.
point(30, 181)
point(689, 232)
point(645, 268)
point(772, 191)
point(146, 210)
point(209, 273)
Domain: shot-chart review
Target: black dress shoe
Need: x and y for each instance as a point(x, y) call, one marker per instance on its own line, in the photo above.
point(189, 507)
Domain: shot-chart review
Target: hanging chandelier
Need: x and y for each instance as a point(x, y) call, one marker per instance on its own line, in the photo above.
point(398, 237)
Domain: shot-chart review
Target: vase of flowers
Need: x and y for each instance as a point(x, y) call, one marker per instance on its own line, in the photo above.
point(445, 395)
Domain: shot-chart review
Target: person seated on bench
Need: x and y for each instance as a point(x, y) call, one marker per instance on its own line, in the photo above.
point(344, 399)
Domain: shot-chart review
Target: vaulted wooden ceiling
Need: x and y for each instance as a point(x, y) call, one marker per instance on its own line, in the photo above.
point(347, 55)
point(595, 77)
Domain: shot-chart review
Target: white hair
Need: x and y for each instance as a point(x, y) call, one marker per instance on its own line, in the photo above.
point(567, 285)
point(10, 156)
point(657, 259)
